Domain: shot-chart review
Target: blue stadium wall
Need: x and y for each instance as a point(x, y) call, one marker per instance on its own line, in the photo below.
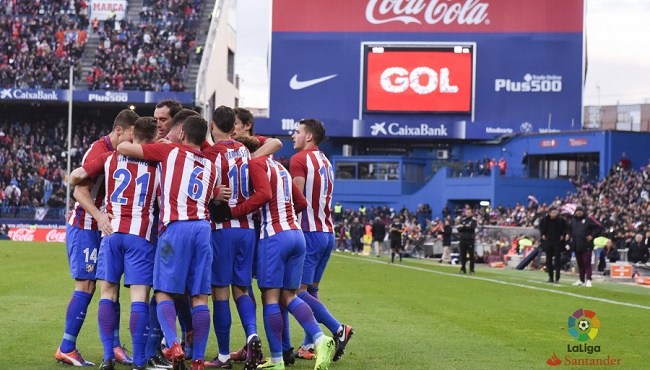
point(442, 188)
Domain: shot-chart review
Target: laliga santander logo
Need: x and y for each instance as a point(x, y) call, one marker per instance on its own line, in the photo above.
point(403, 80)
point(431, 12)
point(583, 325)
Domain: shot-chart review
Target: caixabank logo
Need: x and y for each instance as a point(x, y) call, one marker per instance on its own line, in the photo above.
point(583, 325)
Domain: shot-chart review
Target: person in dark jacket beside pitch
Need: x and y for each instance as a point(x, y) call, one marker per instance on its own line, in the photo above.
point(378, 235)
point(446, 241)
point(581, 232)
point(467, 233)
point(553, 229)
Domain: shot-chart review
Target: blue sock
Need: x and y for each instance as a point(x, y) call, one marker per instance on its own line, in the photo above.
point(301, 311)
point(201, 325)
point(184, 312)
point(273, 327)
point(167, 317)
point(308, 339)
point(250, 294)
point(138, 326)
point(155, 333)
point(74, 319)
point(313, 291)
point(107, 320)
point(321, 313)
point(286, 330)
point(246, 309)
point(116, 332)
point(222, 322)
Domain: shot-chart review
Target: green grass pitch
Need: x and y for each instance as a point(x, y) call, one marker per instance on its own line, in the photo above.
point(421, 315)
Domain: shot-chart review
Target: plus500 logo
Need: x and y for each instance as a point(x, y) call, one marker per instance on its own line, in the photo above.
point(531, 83)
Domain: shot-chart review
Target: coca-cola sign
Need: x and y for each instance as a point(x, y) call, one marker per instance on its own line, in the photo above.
point(470, 12)
point(37, 233)
point(476, 16)
point(22, 235)
point(55, 235)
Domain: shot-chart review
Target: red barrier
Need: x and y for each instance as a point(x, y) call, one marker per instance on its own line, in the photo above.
point(37, 234)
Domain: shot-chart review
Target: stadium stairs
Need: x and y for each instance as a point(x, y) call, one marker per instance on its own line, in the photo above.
point(133, 13)
point(193, 67)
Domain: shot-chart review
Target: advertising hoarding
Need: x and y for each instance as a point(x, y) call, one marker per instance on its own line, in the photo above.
point(526, 71)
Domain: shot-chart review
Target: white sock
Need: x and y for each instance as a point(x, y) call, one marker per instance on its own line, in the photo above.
point(319, 340)
point(276, 360)
point(250, 337)
point(224, 358)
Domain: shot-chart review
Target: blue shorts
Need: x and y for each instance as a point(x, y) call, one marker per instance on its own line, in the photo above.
point(82, 246)
point(154, 231)
point(184, 258)
point(319, 249)
point(279, 260)
point(232, 256)
point(127, 254)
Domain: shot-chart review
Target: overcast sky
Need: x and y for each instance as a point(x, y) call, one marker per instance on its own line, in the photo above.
point(618, 46)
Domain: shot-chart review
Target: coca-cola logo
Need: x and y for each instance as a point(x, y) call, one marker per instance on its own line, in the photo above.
point(55, 235)
point(471, 12)
point(23, 235)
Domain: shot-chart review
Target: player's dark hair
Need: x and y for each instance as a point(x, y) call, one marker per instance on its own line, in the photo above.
point(315, 128)
point(180, 117)
point(245, 116)
point(195, 127)
point(173, 105)
point(249, 142)
point(145, 129)
point(224, 118)
point(125, 119)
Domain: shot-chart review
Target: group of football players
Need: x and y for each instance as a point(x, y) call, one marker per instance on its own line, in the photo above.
point(161, 205)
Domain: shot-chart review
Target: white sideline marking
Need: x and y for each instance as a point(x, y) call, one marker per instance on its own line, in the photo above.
point(501, 282)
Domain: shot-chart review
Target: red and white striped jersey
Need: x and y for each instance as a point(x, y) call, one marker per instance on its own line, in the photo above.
point(188, 181)
point(131, 188)
point(231, 160)
point(316, 169)
point(78, 216)
point(276, 193)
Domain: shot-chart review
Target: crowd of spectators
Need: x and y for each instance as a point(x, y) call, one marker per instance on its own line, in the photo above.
point(151, 53)
point(33, 156)
point(39, 41)
point(620, 203)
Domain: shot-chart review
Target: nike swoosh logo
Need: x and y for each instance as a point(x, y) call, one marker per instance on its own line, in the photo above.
point(294, 84)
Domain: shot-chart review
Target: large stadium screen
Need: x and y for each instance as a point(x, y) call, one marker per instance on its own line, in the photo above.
point(418, 78)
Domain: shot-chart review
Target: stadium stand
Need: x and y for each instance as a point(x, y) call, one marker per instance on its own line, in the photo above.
point(152, 53)
point(33, 159)
point(40, 40)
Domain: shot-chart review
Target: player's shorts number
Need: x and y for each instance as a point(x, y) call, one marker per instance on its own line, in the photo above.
point(90, 256)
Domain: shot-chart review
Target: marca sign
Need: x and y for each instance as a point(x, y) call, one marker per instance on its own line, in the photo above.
point(102, 9)
point(423, 11)
point(418, 80)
